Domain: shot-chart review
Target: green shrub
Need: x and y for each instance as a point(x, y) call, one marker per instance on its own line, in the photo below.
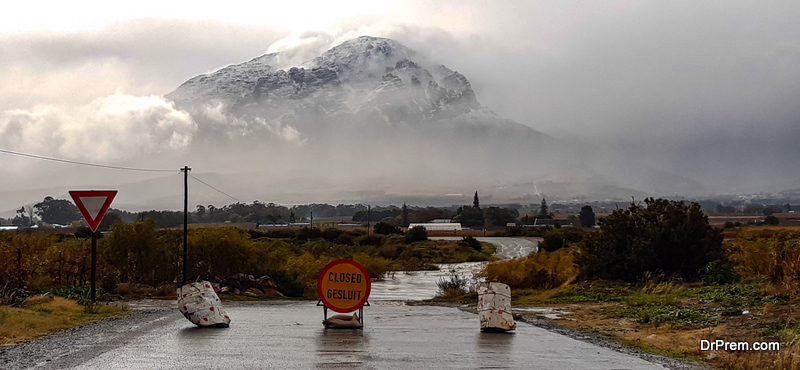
point(386, 229)
point(556, 239)
point(666, 236)
point(416, 234)
point(472, 243)
point(715, 272)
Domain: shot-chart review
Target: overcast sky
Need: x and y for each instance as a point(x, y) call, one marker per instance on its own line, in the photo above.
point(626, 70)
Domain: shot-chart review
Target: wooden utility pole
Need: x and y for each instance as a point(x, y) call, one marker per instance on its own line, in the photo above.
point(185, 171)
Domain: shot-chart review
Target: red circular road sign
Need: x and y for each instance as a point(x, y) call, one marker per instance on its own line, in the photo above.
point(344, 285)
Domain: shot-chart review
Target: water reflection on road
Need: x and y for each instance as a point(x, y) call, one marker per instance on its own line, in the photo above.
point(419, 285)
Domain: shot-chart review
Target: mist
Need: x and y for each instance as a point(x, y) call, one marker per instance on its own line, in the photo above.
point(639, 98)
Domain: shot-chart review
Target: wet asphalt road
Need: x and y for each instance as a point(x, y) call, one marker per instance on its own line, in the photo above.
point(291, 336)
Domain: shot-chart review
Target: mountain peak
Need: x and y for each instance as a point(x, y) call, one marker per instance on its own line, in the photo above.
point(371, 75)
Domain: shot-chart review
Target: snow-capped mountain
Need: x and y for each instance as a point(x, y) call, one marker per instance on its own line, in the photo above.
point(370, 103)
point(366, 75)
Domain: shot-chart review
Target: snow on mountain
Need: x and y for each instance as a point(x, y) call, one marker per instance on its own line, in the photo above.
point(413, 123)
point(365, 75)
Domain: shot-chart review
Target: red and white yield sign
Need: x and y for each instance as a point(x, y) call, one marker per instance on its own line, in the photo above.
point(93, 204)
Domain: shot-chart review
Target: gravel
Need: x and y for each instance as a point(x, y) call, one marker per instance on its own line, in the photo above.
point(72, 346)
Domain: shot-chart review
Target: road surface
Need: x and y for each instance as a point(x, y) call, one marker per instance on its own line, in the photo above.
point(291, 336)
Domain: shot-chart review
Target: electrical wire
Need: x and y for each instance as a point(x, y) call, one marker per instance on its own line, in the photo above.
point(220, 191)
point(110, 167)
point(82, 163)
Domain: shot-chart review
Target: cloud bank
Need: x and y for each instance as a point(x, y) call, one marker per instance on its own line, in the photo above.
point(109, 129)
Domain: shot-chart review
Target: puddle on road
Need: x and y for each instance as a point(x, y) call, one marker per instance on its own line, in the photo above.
point(552, 313)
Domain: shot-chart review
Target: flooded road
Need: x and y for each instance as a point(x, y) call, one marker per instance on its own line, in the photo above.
point(290, 335)
point(395, 336)
point(507, 248)
point(421, 285)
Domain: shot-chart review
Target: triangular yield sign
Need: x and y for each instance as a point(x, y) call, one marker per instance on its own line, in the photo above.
point(93, 204)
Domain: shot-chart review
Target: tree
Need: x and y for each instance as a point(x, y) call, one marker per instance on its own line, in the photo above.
point(475, 202)
point(544, 211)
point(21, 219)
point(469, 216)
point(586, 216)
point(57, 211)
point(665, 236)
point(386, 228)
point(771, 220)
point(404, 219)
point(497, 216)
point(200, 211)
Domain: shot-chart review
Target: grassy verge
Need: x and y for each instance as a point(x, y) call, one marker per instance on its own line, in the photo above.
point(39, 316)
point(672, 319)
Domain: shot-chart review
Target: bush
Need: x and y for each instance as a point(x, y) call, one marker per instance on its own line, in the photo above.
point(472, 243)
point(665, 236)
point(307, 233)
point(715, 272)
point(771, 220)
point(540, 270)
point(386, 229)
point(331, 234)
point(556, 239)
point(110, 281)
point(372, 240)
point(454, 285)
point(416, 234)
point(375, 266)
point(346, 239)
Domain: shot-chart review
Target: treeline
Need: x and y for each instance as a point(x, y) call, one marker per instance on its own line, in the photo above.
point(141, 253)
point(53, 211)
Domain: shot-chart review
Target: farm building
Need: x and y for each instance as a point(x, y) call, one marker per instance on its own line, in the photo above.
point(438, 226)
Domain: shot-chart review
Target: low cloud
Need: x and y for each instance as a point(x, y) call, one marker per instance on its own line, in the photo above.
point(109, 129)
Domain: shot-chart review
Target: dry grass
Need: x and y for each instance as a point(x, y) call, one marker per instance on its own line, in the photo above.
point(132, 290)
point(786, 358)
point(166, 291)
point(659, 284)
point(40, 316)
point(684, 342)
point(541, 270)
point(776, 256)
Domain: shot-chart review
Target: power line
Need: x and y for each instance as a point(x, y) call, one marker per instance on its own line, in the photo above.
point(82, 163)
point(220, 191)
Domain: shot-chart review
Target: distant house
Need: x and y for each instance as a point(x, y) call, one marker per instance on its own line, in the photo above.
point(441, 221)
point(9, 228)
point(439, 226)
